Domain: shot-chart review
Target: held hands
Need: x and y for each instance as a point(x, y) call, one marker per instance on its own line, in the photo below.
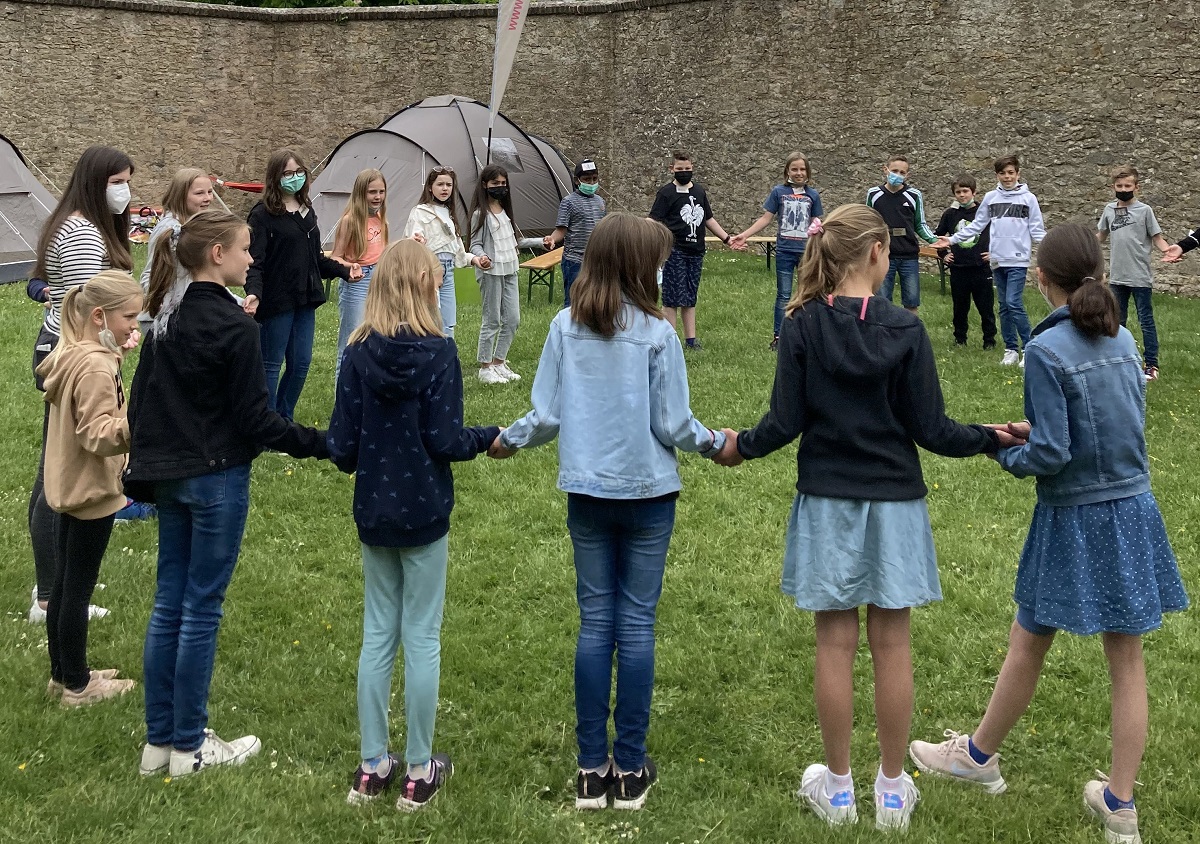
point(548, 242)
point(356, 272)
point(1173, 254)
point(418, 237)
point(1011, 434)
point(250, 306)
point(497, 450)
point(728, 455)
point(483, 262)
point(942, 242)
point(738, 241)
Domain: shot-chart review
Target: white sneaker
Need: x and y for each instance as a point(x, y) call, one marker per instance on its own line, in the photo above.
point(1011, 358)
point(1022, 363)
point(491, 375)
point(155, 759)
point(508, 374)
point(835, 810)
point(214, 751)
point(37, 615)
point(893, 810)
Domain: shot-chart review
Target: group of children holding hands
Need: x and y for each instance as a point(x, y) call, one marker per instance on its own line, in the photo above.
point(855, 381)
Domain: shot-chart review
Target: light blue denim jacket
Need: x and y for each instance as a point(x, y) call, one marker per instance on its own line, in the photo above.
point(1086, 401)
point(619, 406)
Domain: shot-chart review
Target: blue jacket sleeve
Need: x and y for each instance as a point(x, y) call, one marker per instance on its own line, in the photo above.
point(1048, 450)
point(345, 425)
point(442, 429)
point(540, 425)
point(671, 419)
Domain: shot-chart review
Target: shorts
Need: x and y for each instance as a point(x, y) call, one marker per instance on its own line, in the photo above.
point(681, 280)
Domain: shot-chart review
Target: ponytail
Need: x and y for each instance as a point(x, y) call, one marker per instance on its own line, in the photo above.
point(107, 291)
point(1070, 259)
point(1094, 309)
point(162, 272)
point(185, 253)
point(836, 246)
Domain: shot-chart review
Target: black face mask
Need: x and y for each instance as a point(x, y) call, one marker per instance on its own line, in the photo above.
point(1124, 195)
point(498, 193)
point(683, 176)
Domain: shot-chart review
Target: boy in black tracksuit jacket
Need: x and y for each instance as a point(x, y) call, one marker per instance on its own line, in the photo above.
point(970, 275)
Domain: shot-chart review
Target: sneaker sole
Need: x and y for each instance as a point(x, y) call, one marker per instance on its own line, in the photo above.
point(901, 823)
point(1111, 836)
point(631, 805)
point(995, 787)
point(584, 804)
point(149, 773)
point(357, 798)
point(236, 761)
point(406, 805)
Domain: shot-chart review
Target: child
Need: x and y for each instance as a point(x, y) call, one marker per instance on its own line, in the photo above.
point(856, 381)
point(970, 278)
point(403, 387)
point(361, 235)
point(189, 193)
point(578, 214)
point(284, 286)
point(86, 443)
point(1016, 220)
point(796, 204)
point(199, 414)
point(435, 219)
point(683, 207)
point(1097, 558)
point(494, 241)
point(612, 385)
point(1133, 228)
point(903, 209)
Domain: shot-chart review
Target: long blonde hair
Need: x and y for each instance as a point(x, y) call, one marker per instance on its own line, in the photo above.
point(842, 244)
point(175, 199)
point(403, 293)
point(358, 212)
point(107, 291)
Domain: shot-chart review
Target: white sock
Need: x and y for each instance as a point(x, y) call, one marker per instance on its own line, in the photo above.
point(599, 769)
point(381, 765)
point(838, 782)
point(421, 772)
point(889, 785)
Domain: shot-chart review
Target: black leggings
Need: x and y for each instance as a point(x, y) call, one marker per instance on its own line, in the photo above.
point(41, 518)
point(80, 546)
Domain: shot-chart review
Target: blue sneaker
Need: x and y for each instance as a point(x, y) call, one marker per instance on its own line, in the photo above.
point(136, 511)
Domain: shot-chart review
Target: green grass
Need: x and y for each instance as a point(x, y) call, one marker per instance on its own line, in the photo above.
point(733, 723)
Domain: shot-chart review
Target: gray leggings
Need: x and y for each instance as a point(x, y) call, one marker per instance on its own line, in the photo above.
point(501, 297)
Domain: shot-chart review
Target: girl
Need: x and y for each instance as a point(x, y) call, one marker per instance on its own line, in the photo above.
point(796, 204)
point(856, 380)
point(190, 192)
point(1097, 558)
point(612, 382)
point(361, 235)
point(87, 233)
point(86, 443)
point(403, 387)
point(283, 287)
point(198, 416)
point(435, 219)
point(493, 236)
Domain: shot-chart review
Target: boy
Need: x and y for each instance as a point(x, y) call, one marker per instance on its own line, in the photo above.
point(1016, 220)
point(683, 208)
point(578, 214)
point(970, 277)
point(903, 209)
point(1133, 227)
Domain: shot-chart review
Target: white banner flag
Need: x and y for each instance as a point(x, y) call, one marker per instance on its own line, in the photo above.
point(509, 23)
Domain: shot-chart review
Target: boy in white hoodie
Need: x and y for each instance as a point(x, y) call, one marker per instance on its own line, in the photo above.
point(1016, 220)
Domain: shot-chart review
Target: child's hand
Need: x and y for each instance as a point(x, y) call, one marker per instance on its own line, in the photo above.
point(737, 241)
point(485, 263)
point(135, 337)
point(986, 256)
point(250, 306)
point(1019, 429)
point(728, 455)
point(548, 242)
point(356, 272)
point(1173, 254)
point(497, 450)
point(418, 237)
point(942, 242)
point(1006, 439)
point(948, 258)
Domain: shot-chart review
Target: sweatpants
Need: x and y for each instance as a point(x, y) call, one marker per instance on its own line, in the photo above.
point(80, 547)
point(501, 295)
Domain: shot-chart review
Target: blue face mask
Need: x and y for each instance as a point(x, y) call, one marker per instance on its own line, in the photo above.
point(292, 184)
point(895, 179)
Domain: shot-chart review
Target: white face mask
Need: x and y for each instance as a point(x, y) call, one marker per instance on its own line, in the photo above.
point(118, 197)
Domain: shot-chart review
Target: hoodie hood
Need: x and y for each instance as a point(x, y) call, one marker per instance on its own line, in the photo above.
point(403, 366)
point(61, 370)
point(1019, 189)
point(852, 344)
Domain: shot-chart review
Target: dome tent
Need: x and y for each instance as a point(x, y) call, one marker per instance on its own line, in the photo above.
point(446, 131)
point(24, 206)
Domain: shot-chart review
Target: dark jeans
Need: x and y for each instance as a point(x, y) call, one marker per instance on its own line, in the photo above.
point(570, 270)
point(969, 284)
point(42, 519)
point(200, 526)
point(908, 268)
point(287, 338)
point(80, 545)
point(620, 555)
point(1145, 315)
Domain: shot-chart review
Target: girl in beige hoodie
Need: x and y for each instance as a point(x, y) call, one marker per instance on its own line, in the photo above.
point(86, 444)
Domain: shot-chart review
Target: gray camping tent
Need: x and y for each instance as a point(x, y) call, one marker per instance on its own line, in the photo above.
point(24, 206)
point(452, 132)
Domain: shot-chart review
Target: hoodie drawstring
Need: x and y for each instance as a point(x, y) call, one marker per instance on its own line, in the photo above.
point(862, 314)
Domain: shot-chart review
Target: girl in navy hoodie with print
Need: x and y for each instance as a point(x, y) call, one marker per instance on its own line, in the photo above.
point(398, 423)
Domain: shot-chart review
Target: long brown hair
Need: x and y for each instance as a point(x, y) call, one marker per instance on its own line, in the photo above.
point(1070, 258)
point(403, 293)
point(621, 262)
point(845, 239)
point(358, 212)
point(86, 195)
point(427, 197)
point(175, 199)
point(272, 191)
point(196, 237)
point(480, 202)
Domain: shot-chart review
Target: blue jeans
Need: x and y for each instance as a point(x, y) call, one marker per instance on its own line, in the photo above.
point(570, 270)
point(785, 271)
point(1010, 290)
point(1145, 314)
point(404, 592)
point(447, 303)
point(200, 526)
point(909, 270)
point(352, 303)
point(287, 338)
point(620, 555)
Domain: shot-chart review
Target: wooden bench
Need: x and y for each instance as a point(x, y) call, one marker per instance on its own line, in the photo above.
point(766, 241)
point(541, 271)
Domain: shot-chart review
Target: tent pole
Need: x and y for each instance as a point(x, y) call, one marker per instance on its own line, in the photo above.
point(489, 148)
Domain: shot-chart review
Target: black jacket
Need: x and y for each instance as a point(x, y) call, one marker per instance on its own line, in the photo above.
point(398, 423)
point(199, 398)
point(954, 218)
point(864, 393)
point(288, 263)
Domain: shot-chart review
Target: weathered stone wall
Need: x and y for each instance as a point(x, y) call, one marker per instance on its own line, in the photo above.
point(1073, 86)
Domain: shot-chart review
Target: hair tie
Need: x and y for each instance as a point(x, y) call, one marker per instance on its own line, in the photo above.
point(1087, 278)
point(815, 227)
point(174, 238)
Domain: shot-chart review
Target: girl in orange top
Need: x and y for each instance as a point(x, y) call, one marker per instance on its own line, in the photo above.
point(361, 235)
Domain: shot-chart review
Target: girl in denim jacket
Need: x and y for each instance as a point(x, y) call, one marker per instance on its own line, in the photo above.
point(1097, 558)
point(612, 386)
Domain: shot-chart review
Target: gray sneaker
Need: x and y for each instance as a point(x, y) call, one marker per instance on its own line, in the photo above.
point(1121, 826)
point(834, 809)
point(952, 759)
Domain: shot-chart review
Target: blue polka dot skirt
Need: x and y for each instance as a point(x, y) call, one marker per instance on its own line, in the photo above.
point(1103, 567)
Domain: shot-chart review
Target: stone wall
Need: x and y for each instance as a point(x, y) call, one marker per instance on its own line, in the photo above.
point(1074, 87)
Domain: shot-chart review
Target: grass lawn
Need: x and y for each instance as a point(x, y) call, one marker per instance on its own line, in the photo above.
point(734, 724)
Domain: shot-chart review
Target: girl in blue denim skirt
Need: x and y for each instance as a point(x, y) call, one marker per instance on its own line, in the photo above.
point(612, 386)
point(1097, 558)
point(361, 235)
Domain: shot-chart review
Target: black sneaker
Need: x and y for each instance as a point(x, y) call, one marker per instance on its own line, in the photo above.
point(774, 347)
point(366, 786)
point(693, 346)
point(629, 790)
point(414, 794)
point(591, 788)
point(989, 345)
